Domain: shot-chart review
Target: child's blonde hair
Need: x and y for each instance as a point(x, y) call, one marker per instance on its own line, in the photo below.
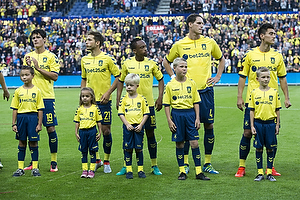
point(91, 93)
point(177, 61)
point(132, 78)
point(260, 70)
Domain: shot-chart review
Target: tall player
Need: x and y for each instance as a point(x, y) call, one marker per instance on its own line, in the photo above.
point(146, 69)
point(197, 50)
point(261, 56)
point(45, 73)
point(97, 68)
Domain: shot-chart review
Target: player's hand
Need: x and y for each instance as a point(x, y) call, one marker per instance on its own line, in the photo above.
point(277, 130)
point(77, 137)
point(172, 126)
point(197, 124)
point(213, 80)
point(38, 128)
point(28, 60)
point(253, 130)
point(15, 128)
point(6, 95)
point(138, 128)
point(98, 137)
point(105, 98)
point(287, 103)
point(129, 127)
point(240, 103)
point(35, 62)
point(158, 104)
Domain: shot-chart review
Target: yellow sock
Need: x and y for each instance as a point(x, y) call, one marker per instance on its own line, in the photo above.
point(92, 166)
point(124, 164)
point(106, 156)
point(153, 161)
point(54, 157)
point(129, 168)
point(269, 171)
point(140, 168)
point(242, 163)
point(20, 164)
point(98, 155)
point(186, 159)
point(181, 169)
point(84, 166)
point(35, 164)
point(207, 158)
point(260, 171)
point(198, 170)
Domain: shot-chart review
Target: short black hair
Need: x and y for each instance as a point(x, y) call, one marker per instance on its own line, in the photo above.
point(40, 32)
point(192, 18)
point(133, 43)
point(31, 70)
point(263, 29)
point(97, 36)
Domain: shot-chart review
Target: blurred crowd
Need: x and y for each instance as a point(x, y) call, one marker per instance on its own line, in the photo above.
point(66, 38)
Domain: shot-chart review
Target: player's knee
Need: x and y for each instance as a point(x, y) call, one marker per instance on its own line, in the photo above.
point(138, 150)
point(259, 150)
point(247, 133)
point(194, 144)
point(150, 133)
point(22, 143)
point(179, 145)
point(50, 129)
point(129, 150)
point(106, 129)
point(208, 126)
point(269, 150)
point(33, 143)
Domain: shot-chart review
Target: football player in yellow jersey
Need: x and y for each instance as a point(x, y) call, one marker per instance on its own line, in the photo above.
point(97, 68)
point(184, 121)
point(264, 105)
point(146, 69)
point(197, 50)
point(46, 72)
point(27, 105)
point(261, 56)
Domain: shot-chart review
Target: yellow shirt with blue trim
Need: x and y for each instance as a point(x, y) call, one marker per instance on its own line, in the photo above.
point(87, 117)
point(97, 71)
point(198, 55)
point(146, 69)
point(181, 95)
point(133, 109)
point(264, 103)
point(27, 100)
point(48, 62)
point(254, 59)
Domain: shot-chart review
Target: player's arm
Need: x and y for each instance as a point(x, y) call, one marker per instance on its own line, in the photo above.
point(14, 120)
point(241, 85)
point(83, 83)
point(158, 102)
point(197, 121)
point(126, 123)
point(119, 93)
point(252, 122)
point(171, 124)
point(168, 68)
point(139, 127)
point(48, 75)
point(277, 122)
point(76, 131)
point(105, 97)
point(4, 88)
point(285, 90)
point(216, 79)
point(98, 136)
point(40, 120)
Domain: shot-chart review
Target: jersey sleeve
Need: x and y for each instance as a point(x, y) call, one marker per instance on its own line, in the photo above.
point(156, 71)
point(83, 72)
point(166, 97)
point(173, 53)
point(76, 117)
point(124, 71)
point(281, 70)
point(15, 101)
point(196, 95)
point(113, 68)
point(121, 110)
point(146, 110)
point(251, 100)
point(54, 63)
point(245, 65)
point(278, 103)
point(40, 102)
point(98, 114)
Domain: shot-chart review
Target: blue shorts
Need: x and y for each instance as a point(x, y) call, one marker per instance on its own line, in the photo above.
point(26, 125)
point(132, 139)
point(151, 122)
point(247, 117)
point(49, 115)
point(88, 139)
point(184, 119)
point(207, 105)
point(105, 112)
point(265, 134)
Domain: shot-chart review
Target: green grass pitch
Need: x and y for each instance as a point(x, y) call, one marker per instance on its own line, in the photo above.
point(67, 184)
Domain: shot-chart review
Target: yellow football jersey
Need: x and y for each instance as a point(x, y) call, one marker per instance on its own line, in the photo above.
point(87, 117)
point(264, 103)
point(97, 71)
point(48, 62)
point(146, 69)
point(198, 55)
point(133, 109)
point(27, 100)
point(181, 95)
point(254, 59)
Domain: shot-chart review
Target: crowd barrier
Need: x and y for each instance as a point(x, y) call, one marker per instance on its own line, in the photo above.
point(74, 81)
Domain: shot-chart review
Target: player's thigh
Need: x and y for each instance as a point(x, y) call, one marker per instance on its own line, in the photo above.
point(49, 114)
point(207, 106)
point(128, 139)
